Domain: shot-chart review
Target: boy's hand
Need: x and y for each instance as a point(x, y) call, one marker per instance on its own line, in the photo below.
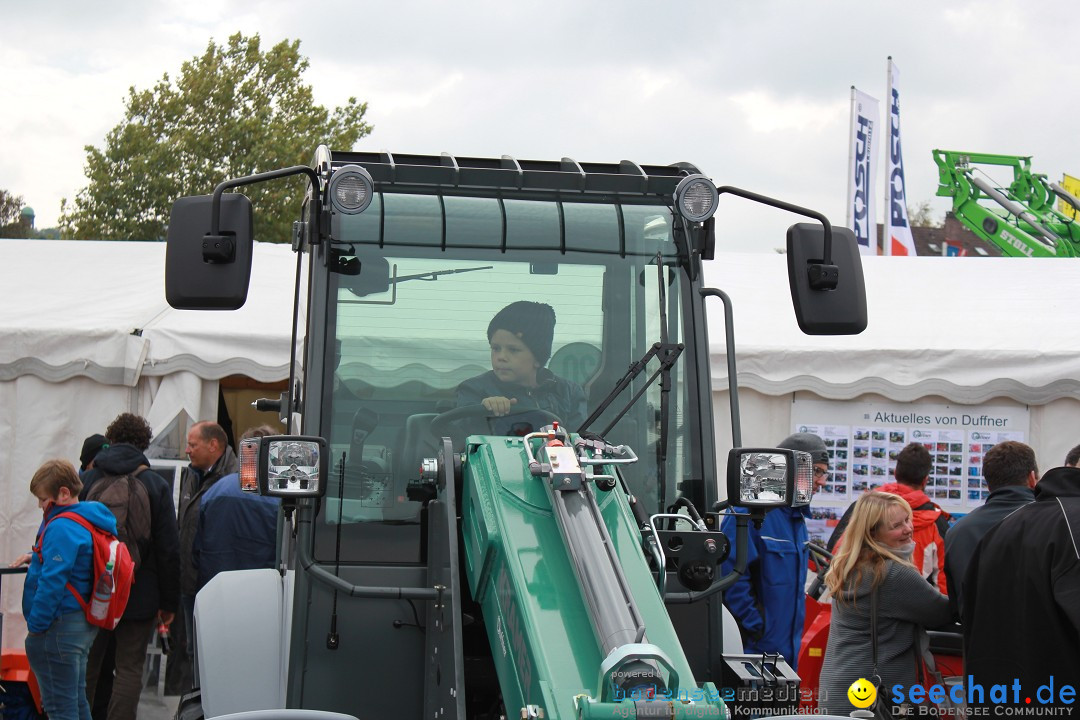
point(23, 559)
point(498, 405)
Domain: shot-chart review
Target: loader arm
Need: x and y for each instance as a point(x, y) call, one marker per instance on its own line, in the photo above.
point(1019, 219)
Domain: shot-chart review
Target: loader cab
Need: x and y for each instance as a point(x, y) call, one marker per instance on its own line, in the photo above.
point(402, 263)
point(411, 326)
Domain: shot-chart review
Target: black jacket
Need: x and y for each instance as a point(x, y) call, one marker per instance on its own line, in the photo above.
point(193, 484)
point(964, 536)
point(1022, 594)
point(157, 582)
point(557, 395)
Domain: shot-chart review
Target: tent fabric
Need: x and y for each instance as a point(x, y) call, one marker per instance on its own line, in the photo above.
point(97, 309)
point(964, 329)
point(86, 334)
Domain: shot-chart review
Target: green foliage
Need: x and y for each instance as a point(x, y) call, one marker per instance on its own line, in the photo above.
point(234, 111)
point(922, 215)
point(12, 224)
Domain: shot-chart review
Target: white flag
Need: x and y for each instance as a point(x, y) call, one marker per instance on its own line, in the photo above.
point(898, 239)
point(861, 217)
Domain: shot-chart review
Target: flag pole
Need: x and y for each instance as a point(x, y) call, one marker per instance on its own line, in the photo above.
point(886, 220)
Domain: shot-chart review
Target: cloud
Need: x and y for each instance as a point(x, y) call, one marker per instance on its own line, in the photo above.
point(753, 93)
point(764, 112)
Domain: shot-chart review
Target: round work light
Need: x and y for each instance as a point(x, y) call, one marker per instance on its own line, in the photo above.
point(696, 198)
point(351, 189)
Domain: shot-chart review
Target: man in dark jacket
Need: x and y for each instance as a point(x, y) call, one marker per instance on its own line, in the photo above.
point(237, 530)
point(1022, 599)
point(155, 595)
point(211, 459)
point(1011, 473)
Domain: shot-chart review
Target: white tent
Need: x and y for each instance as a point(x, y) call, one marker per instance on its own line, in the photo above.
point(86, 334)
point(962, 332)
point(965, 329)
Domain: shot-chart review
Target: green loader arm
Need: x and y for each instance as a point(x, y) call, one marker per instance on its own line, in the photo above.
point(1021, 219)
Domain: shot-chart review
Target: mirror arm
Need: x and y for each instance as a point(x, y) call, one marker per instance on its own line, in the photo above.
point(219, 248)
point(823, 275)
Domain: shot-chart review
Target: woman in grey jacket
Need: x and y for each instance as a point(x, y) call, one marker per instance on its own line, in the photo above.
point(875, 556)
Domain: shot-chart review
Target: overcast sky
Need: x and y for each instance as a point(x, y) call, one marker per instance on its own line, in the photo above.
point(754, 93)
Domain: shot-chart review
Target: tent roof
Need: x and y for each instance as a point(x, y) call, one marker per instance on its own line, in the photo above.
point(966, 329)
point(97, 309)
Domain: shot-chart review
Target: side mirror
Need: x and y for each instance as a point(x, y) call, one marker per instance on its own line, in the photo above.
point(766, 478)
point(203, 273)
point(841, 310)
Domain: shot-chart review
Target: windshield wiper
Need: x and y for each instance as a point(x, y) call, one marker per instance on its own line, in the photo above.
point(667, 353)
point(435, 274)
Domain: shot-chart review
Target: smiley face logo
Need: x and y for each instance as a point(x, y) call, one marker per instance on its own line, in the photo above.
point(862, 693)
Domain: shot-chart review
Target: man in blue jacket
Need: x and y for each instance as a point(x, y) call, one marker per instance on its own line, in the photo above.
point(236, 530)
point(59, 636)
point(768, 600)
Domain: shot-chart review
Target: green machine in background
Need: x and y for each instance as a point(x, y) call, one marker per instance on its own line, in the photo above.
point(441, 563)
point(1020, 219)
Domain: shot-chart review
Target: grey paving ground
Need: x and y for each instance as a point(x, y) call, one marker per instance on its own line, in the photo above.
point(153, 705)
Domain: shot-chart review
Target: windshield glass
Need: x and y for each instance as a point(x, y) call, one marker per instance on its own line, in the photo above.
point(412, 337)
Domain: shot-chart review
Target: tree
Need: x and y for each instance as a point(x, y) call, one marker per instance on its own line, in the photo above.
point(12, 224)
point(922, 215)
point(234, 111)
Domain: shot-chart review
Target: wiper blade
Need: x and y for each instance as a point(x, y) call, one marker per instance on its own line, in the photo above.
point(667, 353)
point(436, 274)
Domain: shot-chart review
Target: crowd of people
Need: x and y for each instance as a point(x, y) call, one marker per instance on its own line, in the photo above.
point(215, 527)
point(175, 550)
point(1008, 572)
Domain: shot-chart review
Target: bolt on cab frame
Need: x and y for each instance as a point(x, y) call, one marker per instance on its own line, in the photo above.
point(464, 590)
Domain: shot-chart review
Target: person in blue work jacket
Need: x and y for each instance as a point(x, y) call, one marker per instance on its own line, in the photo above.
point(768, 600)
point(59, 636)
point(236, 530)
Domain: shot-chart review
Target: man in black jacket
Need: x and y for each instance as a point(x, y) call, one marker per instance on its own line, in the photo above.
point(1011, 472)
point(155, 594)
point(1021, 600)
point(211, 459)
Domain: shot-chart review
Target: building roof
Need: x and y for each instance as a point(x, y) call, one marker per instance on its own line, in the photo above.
point(929, 240)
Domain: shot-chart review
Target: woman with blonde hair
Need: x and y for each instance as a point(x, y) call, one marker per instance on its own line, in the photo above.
point(875, 560)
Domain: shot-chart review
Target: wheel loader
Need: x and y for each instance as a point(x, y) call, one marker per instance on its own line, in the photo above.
point(438, 561)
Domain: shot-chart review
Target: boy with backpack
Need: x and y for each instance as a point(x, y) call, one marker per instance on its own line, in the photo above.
point(142, 502)
point(57, 590)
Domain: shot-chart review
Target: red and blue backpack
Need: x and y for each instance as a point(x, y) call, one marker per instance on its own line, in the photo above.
point(107, 548)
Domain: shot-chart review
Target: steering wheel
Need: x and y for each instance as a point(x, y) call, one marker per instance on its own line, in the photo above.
point(443, 425)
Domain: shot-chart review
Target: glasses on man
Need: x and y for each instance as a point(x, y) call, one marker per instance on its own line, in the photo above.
point(818, 472)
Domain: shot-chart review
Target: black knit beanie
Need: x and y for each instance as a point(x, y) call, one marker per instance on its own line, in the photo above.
point(91, 447)
point(807, 442)
point(533, 322)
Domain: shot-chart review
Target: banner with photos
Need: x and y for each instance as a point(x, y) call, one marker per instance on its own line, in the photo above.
point(864, 439)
